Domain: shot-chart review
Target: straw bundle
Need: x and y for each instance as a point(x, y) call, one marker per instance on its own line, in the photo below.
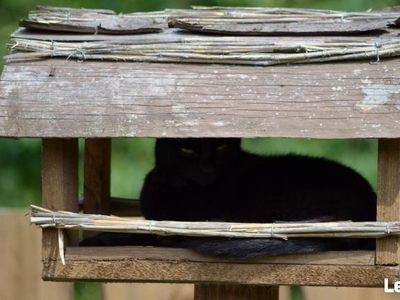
point(283, 36)
point(171, 46)
point(281, 21)
point(228, 20)
point(92, 21)
point(67, 220)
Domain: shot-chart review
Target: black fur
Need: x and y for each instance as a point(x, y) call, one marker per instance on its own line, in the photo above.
point(213, 179)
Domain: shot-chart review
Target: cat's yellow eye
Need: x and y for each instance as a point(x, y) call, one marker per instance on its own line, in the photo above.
point(187, 151)
point(222, 148)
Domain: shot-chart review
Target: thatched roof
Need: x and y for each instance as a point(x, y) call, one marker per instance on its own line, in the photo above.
point(125, 88)
point(252, 36)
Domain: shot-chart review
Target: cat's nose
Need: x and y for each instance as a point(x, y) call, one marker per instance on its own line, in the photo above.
point(207, 169)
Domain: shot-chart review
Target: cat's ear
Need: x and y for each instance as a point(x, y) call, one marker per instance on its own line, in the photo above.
point(233, 144)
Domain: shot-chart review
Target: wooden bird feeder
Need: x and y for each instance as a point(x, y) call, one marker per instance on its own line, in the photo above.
point(254, 77)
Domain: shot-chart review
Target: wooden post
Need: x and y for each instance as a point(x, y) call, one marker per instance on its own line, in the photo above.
point(59, 188)
point(387, 249)
point(236, 292)
point(97, 177)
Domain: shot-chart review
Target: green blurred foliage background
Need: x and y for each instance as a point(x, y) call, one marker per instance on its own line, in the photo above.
point(20, 174)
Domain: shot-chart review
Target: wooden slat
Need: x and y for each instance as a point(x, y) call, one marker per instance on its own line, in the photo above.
point(98, 99)
point(69, 10)
point(125, 207)
point(235, 292)
point(388, 249)
point(110, 267)
point(263, 27)
point(92, 21)
point(59, 187)
point(217, 20)
point(81, 254)
point(20, 261)
point(112, 26)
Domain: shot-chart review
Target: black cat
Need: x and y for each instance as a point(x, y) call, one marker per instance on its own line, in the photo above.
point(200, 179)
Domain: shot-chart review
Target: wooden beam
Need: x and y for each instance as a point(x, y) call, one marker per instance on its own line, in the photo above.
point(97, 176)
point(122, 207)
point(59, 188)
point(335, 100)
point(97, 170)
point(388, 249)
point(147, 264)
point(235, 292)
point(360, 258)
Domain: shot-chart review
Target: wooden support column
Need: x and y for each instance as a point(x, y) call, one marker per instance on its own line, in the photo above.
point(388, 249)
point(236, 292)
point(59, 188)
point(97, 170)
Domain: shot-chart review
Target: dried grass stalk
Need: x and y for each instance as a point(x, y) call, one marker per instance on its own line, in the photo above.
point(67, 220)
point(308, 36)
point(171, 46)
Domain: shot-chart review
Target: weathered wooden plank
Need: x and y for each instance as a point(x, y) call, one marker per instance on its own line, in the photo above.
point(113, 26)
point(77, 11)
point(155, 270)
point(110, 254)
point(388, 209)
point(233, 21)
point(59, 187)
point(93, 21)
point(97, 99)
point(263, 27)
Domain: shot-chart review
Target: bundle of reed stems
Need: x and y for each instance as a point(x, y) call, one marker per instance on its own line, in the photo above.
point(284, 36)
point(170, 46)
point(67, 220)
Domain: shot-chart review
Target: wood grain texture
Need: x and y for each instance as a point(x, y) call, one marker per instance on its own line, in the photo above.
point(112, 268)
point(97, 171)
point(388, 209)
point(362, 258)
point(235, 292)
point(59, 187)
point(100, 99)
